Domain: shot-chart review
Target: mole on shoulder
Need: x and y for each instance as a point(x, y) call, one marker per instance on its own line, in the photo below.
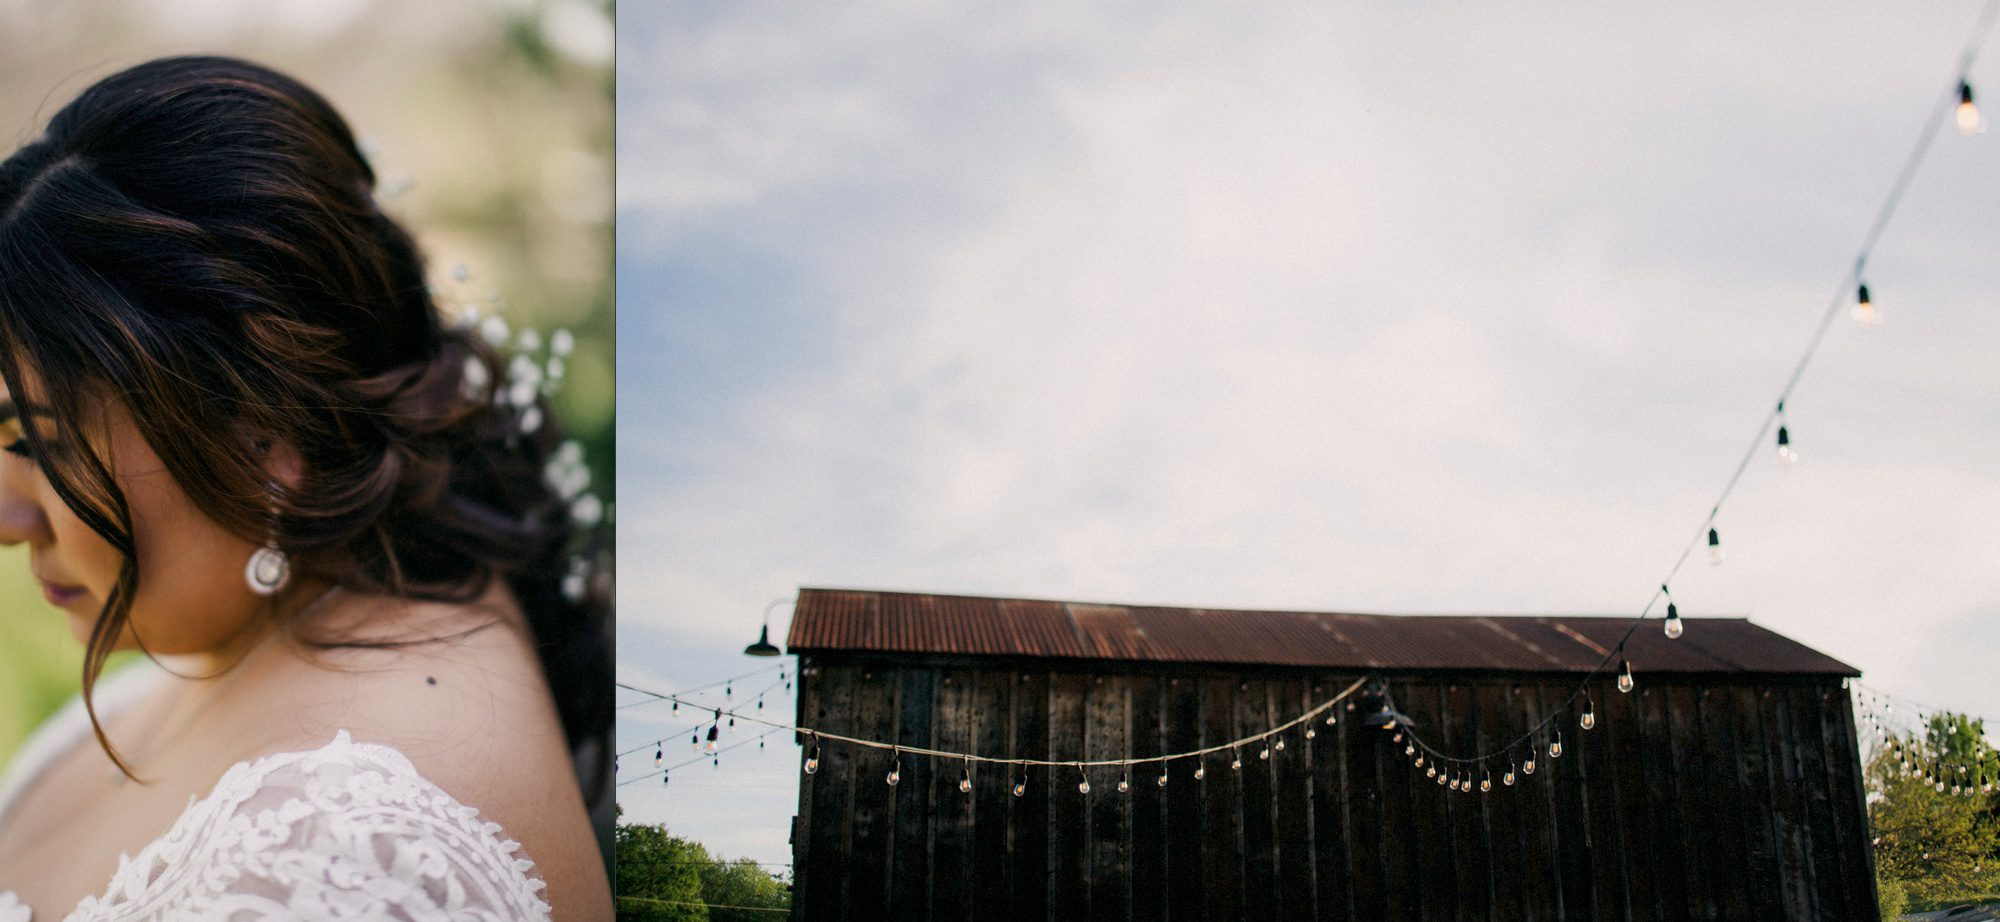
point(430, 680)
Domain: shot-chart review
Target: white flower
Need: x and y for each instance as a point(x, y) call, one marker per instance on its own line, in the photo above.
point(528, 341)
point(531, 420)
point(475, 379)
point(587, 510)
point(494, 330)
point(561, 342)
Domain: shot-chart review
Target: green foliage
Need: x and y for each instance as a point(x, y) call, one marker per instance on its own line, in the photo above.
point(665, 878)
point(1934, 849)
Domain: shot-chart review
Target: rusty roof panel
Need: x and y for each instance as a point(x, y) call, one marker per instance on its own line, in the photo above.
point(841, 619)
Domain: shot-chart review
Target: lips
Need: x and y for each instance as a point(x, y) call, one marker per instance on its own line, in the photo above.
point(61, 595)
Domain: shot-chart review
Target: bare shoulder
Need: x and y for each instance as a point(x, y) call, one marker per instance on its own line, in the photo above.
point(467, 706)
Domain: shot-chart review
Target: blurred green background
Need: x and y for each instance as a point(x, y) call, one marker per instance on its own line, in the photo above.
point(489, 124)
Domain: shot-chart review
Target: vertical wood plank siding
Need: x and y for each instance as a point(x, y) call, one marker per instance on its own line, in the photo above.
point(1694, 798)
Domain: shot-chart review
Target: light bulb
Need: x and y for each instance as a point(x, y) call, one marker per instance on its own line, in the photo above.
point(1485, 780)
point(1397, 738)
point(711, 745)
point(1864, 307)
point(1969, 121)
point(1556, 746)
point(965, 781)
point(895, 775)
point(1508, 778)
point(664, 778)
point(1264, 754)
point(812, 762)
point(1021, 786)
point(1409, 749)
point(1589, 718)
point(1528, 766)
point(1200, 772)
point(1163, 777)
point(1714, 547)
point(1431, 772)
point(1124, 784)
point(1624, 678)
point(659, 755)
point(1420, 760)
point(1083, 787)
point(1310, 732)
point(1329, 718)
point(1673, 621)
point(1441, 778)
point(1785, 453)
point(1279, 745)
point(1235, 763)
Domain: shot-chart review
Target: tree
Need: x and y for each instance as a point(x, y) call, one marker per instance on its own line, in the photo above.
point(665, 878)
point(1936, 848)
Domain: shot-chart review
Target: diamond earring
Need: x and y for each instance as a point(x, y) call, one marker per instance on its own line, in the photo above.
point(269, 569)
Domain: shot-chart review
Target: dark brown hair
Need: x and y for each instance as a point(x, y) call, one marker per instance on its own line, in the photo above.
point(198, 239)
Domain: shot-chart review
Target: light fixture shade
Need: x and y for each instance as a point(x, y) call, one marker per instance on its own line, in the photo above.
point(1379, 713)
point(763, 646)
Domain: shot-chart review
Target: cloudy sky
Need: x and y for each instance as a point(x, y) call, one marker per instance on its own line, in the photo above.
point(1390, 307)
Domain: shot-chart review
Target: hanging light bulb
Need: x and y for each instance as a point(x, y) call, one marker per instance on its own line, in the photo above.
point(1409, 749)
point(1508, 778)
point(1310, 732)
point(1124, 782)
point(1431, 772)
point(713, 732)
point(1200, 772)
point(1264, 754)
point(1163, 776)
point(895, 766)
point(1673, 621)
point(1279, 744)
point(1969, 121)
point(1556, 746)
point(1785, 453)
point(1864, 307)
point(1331, 717)
point(1397, 738)
point(965, 779)
point(1528, 765)
point(1021, 784)
point(1235, 760)
point(1420, 760)
point(1441, 779)
point(1083, 782)
point(1485, 780)
point(812, 760)
point(677, 706)
point(1714, 547)
point(664, 778)
point(659, 755)
point(1624, 678)
point(1589, 718)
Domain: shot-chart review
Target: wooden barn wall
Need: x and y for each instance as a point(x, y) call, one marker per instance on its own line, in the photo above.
point(1692, 799)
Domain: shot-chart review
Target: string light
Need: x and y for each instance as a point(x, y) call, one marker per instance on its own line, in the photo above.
point(1624, 677)
point(1264, 754)
point(1589, 718)
point(1864, 308)
point(1235, 760)
point(1715, 554)
point(812, 759)
point(1528, 764)
point(965, 778)
point(896, 769)
point(1083, 784)
point(1124, 782)
point(1279, 744)
point(1969, 121)
point(1508, 778)
point(1200, 772)
point(659, 754)
point(1021, 786)
point(1673, 626)
point(1556, 746)
point(1163, 776)
point(1785, 453)
point(1486, 780)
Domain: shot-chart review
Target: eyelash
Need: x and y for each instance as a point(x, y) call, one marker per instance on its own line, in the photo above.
point(19, 448)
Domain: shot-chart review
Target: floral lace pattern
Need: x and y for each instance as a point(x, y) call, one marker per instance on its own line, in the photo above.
point(346, 831)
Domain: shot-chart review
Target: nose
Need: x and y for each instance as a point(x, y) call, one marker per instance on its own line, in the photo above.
point(21, 511)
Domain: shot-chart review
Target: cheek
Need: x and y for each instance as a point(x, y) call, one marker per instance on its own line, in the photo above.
point(192, 596)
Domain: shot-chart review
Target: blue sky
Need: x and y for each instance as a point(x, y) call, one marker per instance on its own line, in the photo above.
point(1406, 308)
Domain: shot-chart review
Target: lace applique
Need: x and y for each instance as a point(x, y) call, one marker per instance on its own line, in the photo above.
point(347, 831)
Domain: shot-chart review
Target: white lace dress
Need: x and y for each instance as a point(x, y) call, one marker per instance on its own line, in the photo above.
point(346, 831)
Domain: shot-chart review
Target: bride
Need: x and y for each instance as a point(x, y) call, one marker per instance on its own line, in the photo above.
point(240, 439)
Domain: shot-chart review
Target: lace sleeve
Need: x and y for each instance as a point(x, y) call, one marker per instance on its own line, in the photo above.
point(347, 831)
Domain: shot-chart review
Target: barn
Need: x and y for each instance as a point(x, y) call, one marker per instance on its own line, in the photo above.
point(1725, 785)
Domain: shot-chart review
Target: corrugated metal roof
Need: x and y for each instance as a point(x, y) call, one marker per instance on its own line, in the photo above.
point(843, 619)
